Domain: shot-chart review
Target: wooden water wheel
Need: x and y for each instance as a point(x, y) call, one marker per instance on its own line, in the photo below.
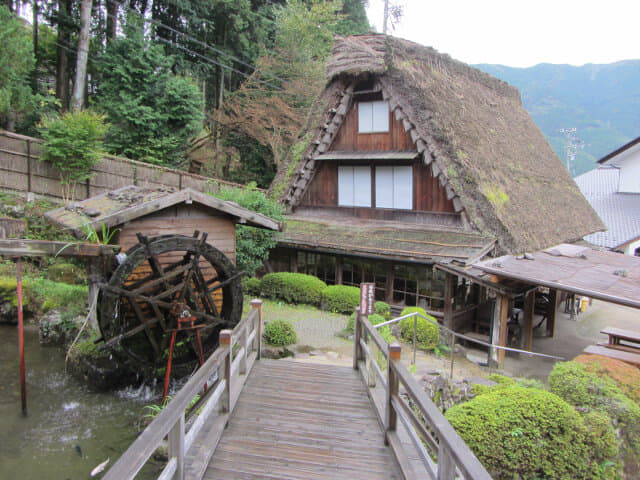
point(161, 282)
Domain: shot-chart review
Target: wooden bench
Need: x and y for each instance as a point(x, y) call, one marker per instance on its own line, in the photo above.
point(622, 348)
point(617, 334)
point(628, 357)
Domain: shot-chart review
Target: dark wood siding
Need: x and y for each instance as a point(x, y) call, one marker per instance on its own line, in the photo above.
point(323, 189)
point(348, 138)
point(428, 194)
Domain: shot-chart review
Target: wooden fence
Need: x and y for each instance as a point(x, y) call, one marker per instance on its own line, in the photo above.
point(411, 421)
point(21, 170)
point(193, 435)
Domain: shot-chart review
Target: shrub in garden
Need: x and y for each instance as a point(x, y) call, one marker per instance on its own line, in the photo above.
point(280, 333)
point(589, 392)
point(340, 298)
point(375, 319)
point(251, 286)
point(293, 287)
point(626, 377)
point(529, 433)
point(427, 333)
point(384, 309)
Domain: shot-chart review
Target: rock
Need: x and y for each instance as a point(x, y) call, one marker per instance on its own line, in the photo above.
point(316, 353)
point(102, 370)
point(301, 356)
point(8, 313)
point(56, 331)
point(14, 210)
point(480, 381)
point(444, 392)
point(477, 359)
point(333, 355)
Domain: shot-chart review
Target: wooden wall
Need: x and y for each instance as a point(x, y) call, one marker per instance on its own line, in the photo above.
point(21, 170)
point(428, 194)
point(348, 138)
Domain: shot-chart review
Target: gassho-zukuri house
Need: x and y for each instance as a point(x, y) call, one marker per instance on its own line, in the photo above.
point(413, 160)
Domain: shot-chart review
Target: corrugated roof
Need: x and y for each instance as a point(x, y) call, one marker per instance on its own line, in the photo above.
point(127, 203)
point(385, 240)
point(608, 276)
point(619, 211)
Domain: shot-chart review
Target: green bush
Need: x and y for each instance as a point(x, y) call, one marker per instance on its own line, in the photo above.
point(427, 333)
point(280, 333)
point(251, 286)
point(384, 309)
point(589, 392)
point(528, 433)
point(340, 298)
point(375, 319)
point(293, 287)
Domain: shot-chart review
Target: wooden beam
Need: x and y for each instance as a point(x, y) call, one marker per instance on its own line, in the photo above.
point(43, 248)
point(449, 284)
point(529, 302)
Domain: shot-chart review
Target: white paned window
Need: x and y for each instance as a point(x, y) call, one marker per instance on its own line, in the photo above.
point(394, 187)
point(354, 186)
point(373, 117)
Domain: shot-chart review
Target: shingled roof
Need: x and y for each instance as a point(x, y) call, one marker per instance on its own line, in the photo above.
point(472, 130)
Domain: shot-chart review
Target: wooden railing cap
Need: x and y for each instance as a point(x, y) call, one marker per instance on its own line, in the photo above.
point(225, 337)
point(395, 351)
point(256, 302)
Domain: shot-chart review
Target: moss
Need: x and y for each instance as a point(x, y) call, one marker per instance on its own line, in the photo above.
point(528, 433)
point(625, 376)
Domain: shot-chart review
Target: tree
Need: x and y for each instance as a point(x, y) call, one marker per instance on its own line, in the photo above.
point(82, 56)
point(152, 113)
point(72, 144)
point(16, 64)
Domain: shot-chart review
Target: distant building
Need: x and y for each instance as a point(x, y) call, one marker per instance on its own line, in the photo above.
point(613, 190)
point(413, 159)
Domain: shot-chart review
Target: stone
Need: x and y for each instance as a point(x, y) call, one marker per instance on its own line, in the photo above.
point(302, 356)
point(480, 381)
point(477, 359)
point(316, 353)
point(333, 355)
point(53, 330)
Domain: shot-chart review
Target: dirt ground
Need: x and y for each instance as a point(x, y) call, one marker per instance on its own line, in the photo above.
point(571, 337)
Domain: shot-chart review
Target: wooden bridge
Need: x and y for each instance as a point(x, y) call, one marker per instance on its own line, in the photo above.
point(281, 419)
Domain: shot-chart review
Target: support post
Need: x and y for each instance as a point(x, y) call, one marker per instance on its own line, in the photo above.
point(242, 368)
point(447, 320)
point(504, 319)
point(256, 303)
point(95, 276)
point(176, 447)
point(225, 341)
point(393, 384)
point(551, 313)
point(357, 353)
point(529, 302)
point(23, 383)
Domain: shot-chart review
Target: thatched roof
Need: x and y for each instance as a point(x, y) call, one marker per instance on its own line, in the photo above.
point(385, 240)
point(471, 128)
point(128, 203)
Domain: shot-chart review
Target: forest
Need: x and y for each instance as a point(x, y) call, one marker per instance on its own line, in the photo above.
point(221, 87)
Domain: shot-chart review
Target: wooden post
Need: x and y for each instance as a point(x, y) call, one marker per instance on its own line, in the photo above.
point(176, 447)
point(393, 384)
point(357, 353)
point(504, 319)
point(447, 320)
point(446, 465)
point(242, 368)
point(257, 304)
point(225, 341)
point(551, 313)
point(388, 295)
point(23, 384)
point(529, 302)
point(339, 267)
point(95, 276)
point(293, 262)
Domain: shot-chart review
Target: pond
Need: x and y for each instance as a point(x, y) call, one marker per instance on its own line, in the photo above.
point(69, 429)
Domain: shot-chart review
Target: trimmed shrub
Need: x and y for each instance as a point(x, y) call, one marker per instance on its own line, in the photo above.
point(251, 286)
point(375, 319)
point(384, 309)
point(293, 287)
point(427, 333)
point(588, 392)
point(626, 377)
point(340, 298)
point(280, 333)
point(529, 433)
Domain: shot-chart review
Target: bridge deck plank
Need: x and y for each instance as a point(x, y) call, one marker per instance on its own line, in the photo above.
point(302, 421)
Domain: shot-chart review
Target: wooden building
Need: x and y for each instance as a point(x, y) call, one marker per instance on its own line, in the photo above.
point(414, 159)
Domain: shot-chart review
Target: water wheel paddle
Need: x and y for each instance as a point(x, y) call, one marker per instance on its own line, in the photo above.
point(163, 280)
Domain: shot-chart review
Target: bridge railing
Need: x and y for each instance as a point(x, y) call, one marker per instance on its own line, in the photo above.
point(182, 420)
point(396, 395)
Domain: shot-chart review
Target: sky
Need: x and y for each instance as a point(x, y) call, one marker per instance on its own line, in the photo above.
point(520, 33)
